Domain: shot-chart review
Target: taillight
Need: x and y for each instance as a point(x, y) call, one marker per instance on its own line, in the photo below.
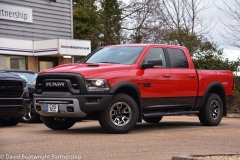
point(233, 84)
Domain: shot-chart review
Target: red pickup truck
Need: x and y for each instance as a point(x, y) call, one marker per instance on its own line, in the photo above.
point(122, 84)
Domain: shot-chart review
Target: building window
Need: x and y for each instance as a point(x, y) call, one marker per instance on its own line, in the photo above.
point(12, 62)
point(47, 62)
point(45, 65)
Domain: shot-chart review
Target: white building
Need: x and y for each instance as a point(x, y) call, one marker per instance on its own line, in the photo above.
point(36, 35)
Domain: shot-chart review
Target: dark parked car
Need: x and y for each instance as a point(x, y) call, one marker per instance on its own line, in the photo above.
point(13, 97)
point(30, 77)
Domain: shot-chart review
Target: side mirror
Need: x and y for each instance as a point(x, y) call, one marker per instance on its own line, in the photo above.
point(152, 63)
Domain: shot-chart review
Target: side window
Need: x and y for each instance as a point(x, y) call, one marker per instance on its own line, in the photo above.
point(177, 58)
point(155, 53)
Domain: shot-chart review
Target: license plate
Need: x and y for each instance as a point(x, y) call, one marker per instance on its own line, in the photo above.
point(52, 107)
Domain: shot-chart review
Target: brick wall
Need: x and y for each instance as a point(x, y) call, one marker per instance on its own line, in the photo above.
point(62, 60)
point(33, 63)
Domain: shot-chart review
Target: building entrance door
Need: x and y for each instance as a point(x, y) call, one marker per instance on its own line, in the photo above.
point(47, 62)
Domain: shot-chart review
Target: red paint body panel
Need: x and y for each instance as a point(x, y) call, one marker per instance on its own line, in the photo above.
point(160, 80)
point(185, 82)
point(222, 76)
point(91, 71)
point(165, 82)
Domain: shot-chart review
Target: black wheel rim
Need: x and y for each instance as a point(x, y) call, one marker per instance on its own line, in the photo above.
point(120, 114)
point(214, 109)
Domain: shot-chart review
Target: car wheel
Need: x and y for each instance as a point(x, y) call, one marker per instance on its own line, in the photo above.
point(10, 121)
point(57, 123)
point(32, 116)
point(212, 111)
point(121, 115)
point(152, 119)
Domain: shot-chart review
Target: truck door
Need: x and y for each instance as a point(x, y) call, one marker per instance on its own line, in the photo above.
point(156, 82)
point(184, 79)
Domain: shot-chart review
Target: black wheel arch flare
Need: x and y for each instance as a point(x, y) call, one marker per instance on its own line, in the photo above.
point(214, 87)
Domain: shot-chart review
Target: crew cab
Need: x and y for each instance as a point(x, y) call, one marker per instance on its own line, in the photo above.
point(13, 98)
point(122, 84)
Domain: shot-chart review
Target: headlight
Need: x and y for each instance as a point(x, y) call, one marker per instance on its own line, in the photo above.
point(25, 85)
point(97, 85)
point(26, 92)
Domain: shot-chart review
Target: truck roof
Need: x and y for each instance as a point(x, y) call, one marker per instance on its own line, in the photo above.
point(145, 45)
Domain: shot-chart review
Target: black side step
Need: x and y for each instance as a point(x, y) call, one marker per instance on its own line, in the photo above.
point(169, 113)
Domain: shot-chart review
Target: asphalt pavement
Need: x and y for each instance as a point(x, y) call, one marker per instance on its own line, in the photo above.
point(174, 137)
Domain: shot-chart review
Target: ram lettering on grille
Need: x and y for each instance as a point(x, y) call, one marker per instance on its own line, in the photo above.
point(55, 84)
point(6, 87)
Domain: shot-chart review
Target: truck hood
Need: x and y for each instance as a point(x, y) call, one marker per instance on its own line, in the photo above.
point(89, 70)
point(5, 76)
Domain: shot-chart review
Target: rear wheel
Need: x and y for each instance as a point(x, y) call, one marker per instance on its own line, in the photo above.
point(212, 111)
point(121, 115)
point(57, 123)
point(10, 121)
point(152, 119)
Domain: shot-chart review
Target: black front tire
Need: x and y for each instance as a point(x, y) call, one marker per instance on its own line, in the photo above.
point(58, 123)
point(152, 119)
point(121, 115)
point(10, 121)
point(212, 111)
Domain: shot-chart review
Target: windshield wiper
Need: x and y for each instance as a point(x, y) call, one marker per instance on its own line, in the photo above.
point(109, 62)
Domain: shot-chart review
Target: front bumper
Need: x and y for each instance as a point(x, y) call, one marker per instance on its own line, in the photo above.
point(13, 107)
point(69, 105)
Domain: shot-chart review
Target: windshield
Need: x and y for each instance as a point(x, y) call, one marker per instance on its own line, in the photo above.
point(29, 77)
point(116, 54)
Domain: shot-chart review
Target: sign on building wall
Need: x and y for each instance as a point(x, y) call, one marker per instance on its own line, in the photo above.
point(16, 47)
point(45, 47)
point(16, 13)
point(74, 47)
point(61, 47)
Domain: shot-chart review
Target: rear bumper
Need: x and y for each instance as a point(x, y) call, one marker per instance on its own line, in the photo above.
point(13, 107)
point(71, 105)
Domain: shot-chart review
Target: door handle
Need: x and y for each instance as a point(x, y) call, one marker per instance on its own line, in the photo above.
point(191, 76)
point(166, 76)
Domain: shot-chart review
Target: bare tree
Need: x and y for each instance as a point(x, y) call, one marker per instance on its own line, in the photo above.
point(232, 11)
point(184, 24)
point(156, 21)
point(139, 20)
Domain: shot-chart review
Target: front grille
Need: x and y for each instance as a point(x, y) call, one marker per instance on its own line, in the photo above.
point(11, 102)
point(6, 110)
point(11, 89)
point(72, 83)
point(55, 89)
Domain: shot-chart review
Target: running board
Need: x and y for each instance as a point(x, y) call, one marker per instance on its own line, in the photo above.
point(169, 113)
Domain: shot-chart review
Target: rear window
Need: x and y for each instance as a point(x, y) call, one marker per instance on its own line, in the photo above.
point(177, 58)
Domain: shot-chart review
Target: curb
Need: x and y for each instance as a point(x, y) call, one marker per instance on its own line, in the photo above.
point(189, 157)
point(203, 157)
point(209, 156)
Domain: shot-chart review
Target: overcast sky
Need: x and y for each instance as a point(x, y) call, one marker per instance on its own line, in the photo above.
point(216, 16)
